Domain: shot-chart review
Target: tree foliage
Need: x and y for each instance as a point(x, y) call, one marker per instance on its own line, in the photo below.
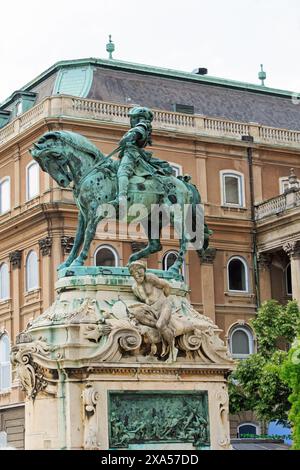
point(290, 373)
point(257, 383)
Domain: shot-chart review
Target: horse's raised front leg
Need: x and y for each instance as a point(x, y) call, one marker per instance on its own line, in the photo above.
point(77, 242)
point(88, 238)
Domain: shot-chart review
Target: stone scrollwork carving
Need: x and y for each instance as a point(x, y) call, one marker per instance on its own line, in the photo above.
point(45, 246)
point(29, 372)
point(90, 398)
point(15, 258)
point(223, 409)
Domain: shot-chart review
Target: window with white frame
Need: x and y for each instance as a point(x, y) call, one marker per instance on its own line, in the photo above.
point(284, 184)
point(237, 275)
point(32, 181)
point(4, 282)
point(5, 368)
point(241, 342)
point(4, 195)
point(232, 185)
point(169, 259)
point(177, 169)
point(106, 255)
point(32, 271)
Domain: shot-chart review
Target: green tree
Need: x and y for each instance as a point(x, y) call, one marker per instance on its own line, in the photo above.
point(290, 373)
point(257, 383)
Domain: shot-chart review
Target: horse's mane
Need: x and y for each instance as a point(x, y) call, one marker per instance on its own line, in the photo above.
point(78, 142)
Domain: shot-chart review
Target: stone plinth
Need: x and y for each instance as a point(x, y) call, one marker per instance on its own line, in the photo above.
point(96, 378)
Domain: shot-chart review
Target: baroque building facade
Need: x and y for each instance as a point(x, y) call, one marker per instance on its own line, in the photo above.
point(237, 141)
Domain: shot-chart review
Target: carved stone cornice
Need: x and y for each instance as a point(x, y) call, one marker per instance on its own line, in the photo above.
point(207, 256)
point(292, 248)
point(264, 261)
point(15, 258)
point(45, 245)
point(67, 244)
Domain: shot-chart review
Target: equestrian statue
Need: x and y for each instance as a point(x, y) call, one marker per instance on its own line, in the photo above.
point(134, 178)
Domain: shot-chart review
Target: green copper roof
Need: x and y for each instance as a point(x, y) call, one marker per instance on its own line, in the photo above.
point(151, 70)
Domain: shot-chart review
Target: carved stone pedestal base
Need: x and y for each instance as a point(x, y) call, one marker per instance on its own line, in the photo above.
point(97, 378)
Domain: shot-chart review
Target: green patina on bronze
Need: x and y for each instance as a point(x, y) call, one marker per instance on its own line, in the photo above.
point(158, 417)
point(101, 183)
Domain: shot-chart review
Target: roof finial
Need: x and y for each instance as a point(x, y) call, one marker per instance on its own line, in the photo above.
point(262, 75)
point(110, 47)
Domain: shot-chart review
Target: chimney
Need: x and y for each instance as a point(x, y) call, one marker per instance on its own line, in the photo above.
point(200, 71)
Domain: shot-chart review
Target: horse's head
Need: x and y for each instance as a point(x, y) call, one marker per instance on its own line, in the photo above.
point(60, 153)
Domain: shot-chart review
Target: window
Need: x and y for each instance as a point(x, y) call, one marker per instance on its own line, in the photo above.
point(106, 255)
point(32, 273)
point(177, 169)
point(232, 184)
point(241, 342)
point(32, 181)
point(4, 195)
point(288, 280)
point(237, 274)
point(4, 282)
point(247, 428)
point(5, 368)
point(169, 259)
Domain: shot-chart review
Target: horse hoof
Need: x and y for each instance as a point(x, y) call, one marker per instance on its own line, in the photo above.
point(76, 263)
point(62, 266)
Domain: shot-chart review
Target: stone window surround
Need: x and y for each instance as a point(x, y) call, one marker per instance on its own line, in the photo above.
point(3, 180)
point(241, 186)
point(110, 248)
point(246, 267)
point(32, 197)
point(245, 328)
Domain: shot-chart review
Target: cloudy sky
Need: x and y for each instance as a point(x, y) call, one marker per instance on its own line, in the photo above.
point(229, 37)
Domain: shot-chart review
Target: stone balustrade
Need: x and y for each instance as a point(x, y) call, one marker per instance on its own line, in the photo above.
point(277, 205)
point(68, 106)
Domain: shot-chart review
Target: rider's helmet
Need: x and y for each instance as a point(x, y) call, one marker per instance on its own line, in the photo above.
point(144, 113)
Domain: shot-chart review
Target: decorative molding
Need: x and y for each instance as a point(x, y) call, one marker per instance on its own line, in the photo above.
point(67, 244)
point(15, 258)
point(264, 260)
point(90, 398)
point(208, 256)
point(45, 245)
point(292, 248)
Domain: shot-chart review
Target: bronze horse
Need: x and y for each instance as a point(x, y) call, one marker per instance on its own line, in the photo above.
point(71, 158)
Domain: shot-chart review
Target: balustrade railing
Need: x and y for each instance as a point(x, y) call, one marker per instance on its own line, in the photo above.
point(59, 106)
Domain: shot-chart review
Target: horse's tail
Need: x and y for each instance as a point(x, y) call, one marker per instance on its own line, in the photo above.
point(197, 211)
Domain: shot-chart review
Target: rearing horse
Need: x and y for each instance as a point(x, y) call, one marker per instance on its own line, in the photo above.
point(71, 158)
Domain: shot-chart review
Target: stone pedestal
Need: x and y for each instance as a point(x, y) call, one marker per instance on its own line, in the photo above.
point(94, 379)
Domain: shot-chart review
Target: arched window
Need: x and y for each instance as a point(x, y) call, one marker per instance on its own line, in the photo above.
point(5, 195)
point(5, 369)
point(32, 271)
point(169, 259)
point(245, 429)
point(32, 181)
point(4, 282)
point(237, 275)
point(106, 255)
point(288, 279)
point(241, 342)
point(233, 192)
